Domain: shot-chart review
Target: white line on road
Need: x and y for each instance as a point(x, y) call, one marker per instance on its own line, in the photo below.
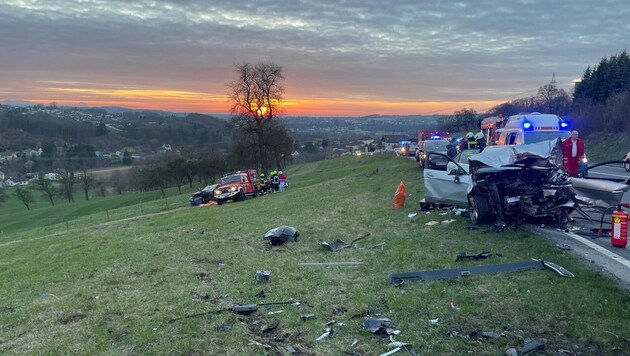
point(602, 250)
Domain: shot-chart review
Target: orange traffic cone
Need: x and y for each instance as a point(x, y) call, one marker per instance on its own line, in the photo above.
point(399, 197)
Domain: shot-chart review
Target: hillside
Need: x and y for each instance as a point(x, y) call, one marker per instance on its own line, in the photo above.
point(154, 284)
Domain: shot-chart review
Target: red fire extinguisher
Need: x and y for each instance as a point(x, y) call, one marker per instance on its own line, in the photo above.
point(619, 233)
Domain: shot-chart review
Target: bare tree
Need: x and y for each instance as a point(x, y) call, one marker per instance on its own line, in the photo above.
point(87, 182)
point(48, 189)
point(68, 180)
point(25, 196)
point(256, 96)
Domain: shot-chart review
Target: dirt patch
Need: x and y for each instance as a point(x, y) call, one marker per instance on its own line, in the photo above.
point(72, 318)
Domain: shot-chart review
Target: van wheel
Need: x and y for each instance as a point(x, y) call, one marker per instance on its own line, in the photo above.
point(481, 212)
point(241, 195)
point(626, 166)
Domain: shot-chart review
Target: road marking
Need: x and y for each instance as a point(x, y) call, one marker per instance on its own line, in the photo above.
point(602, 250)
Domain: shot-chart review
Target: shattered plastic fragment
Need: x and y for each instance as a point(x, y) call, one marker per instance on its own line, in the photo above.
point(391, 352)
point(434, 321)
point(431, 223)
point(282, 235)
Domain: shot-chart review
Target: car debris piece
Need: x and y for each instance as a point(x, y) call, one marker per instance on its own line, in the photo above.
point(245, 309)
point(391, 352)
point(309, 316)
point(375, 246)
point(291, 349)
point(381, 326)
point(254, 342)
point(463, 256)
point(328, 264)
point(263, 276)
point(330, 332)
point(341, 244)
point(532, 345)
point(282, 235)
point(431, 223)
point(538, 264)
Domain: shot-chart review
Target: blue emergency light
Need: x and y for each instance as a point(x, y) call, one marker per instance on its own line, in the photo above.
point(564, 125)
point(527, 125)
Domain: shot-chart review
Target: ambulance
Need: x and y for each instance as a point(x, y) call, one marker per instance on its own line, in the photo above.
point(531, 128)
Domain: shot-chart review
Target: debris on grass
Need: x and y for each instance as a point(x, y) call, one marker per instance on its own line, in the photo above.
point(380, 326)
point(341, 244)
point(431, 223)
point(453, 306)
point(327, 264)
point(245, 309)
point(275, 312)
point(434, 321)
point(535, 264)
point(309, 316)
point(330, 332)
point(282, 235)
point(263, 276)
point(375, 246)
point(465, 256)
point(256, 343)
point(530, 346)
point(391, 352)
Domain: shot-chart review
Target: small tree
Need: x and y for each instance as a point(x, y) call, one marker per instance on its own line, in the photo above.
point(68, 180)
point(87, 182)
point(47, 188)
point(25, 196)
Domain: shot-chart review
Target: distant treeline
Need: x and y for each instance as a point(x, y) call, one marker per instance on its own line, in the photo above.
point(600, 102)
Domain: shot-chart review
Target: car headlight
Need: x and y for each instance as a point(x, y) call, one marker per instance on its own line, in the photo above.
point(232, 189)
point(217, 192)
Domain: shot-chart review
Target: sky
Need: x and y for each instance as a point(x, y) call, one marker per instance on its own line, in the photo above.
point(339, 58)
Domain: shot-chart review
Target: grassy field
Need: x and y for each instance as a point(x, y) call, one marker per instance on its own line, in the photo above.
point(116, 289)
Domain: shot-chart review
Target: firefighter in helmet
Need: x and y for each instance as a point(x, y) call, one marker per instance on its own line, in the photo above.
point(264, 187)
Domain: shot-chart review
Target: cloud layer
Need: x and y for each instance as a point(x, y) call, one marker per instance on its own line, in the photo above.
point(398, 51)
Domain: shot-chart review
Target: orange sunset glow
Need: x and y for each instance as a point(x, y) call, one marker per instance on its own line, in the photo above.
point(188, 101)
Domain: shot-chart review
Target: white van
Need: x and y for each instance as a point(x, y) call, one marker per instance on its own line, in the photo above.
point(531, 128)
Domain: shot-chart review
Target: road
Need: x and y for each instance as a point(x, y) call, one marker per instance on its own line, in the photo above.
point(584, 242)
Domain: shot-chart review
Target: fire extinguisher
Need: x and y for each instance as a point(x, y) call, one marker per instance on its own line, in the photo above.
point(619, 232)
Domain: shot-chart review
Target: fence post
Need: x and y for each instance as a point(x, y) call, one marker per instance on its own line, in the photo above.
point(141, 208)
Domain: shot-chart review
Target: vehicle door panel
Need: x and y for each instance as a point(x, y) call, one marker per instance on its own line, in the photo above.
point(442, 186)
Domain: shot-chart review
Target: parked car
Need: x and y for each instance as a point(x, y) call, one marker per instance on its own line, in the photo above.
point(203, 196)
point(516, 183)
point(429, 146)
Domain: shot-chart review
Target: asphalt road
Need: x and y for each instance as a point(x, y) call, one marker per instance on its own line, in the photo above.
point(583, 241)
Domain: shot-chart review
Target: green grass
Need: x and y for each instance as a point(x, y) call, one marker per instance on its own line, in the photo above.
point(114, 290)
point(603, 147)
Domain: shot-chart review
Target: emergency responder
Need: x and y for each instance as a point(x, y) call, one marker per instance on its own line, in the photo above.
point(572, 153)
point(275, 181)
point(469, 143)
point(451, 149)
point(481, 141)
point(264, 187)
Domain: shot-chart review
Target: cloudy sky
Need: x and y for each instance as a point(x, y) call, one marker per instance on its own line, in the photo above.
point(346, 57)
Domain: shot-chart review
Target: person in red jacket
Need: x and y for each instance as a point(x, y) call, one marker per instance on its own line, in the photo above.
point(572, 153)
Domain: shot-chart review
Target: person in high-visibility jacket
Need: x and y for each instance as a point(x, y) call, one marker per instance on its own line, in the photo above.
point(275, 181)
point(469, 143)
point(264, 187)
